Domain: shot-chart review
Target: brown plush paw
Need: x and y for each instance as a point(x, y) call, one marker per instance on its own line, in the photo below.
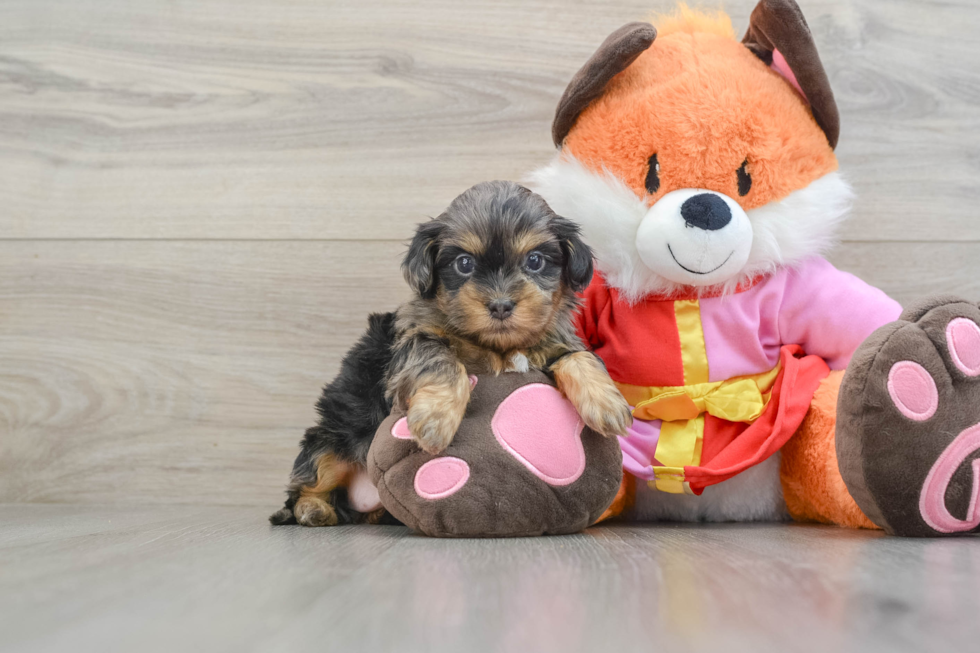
point(522, 463)
point(908, 425)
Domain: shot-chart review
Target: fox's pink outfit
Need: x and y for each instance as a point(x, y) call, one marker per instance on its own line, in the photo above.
point(720, 383)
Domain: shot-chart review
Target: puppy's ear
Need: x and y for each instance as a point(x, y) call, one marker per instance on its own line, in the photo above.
point(419, 266)
point(577, 270)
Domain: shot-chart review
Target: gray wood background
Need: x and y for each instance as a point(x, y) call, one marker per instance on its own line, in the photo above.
point(200, 201)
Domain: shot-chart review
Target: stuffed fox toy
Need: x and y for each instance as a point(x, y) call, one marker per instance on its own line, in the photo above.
point(764, 383)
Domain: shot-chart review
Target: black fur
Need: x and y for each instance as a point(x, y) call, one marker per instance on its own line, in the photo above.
point(419, 266)
point(577, 270)
point(351, 408)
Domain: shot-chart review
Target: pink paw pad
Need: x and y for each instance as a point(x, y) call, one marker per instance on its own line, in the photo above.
point(932, 499)
point(441, 477)
point(913, 390)
point(541, 429)
point(400, 430)
point(963, 338)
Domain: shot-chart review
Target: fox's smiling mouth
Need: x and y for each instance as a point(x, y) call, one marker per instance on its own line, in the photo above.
point(696, 271)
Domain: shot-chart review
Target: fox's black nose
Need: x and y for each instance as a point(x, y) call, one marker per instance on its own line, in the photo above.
point(500, 309)
point(706, 211)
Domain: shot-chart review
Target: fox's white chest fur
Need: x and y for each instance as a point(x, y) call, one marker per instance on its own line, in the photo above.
point(754, 495)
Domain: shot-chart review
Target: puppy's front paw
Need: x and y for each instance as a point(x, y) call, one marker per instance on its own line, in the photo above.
point(585, 382)
point(606, 412)
point(435, 413)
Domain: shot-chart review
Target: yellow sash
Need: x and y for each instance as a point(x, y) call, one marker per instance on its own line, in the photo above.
point(682, 408)
point(740, 399)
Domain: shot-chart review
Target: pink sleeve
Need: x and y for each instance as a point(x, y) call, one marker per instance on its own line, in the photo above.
point(830, 313)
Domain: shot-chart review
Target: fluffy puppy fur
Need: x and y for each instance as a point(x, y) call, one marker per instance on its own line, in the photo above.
point(495, 279)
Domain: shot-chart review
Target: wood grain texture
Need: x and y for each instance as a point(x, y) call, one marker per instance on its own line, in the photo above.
point(311, 119)
point(159, 371)
point(201, 201)
point(154, 579)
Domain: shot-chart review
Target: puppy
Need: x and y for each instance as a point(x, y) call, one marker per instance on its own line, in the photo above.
point(495, 279)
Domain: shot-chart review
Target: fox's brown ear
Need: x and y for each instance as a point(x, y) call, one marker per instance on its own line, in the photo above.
point(619, 50)
point(778, 34)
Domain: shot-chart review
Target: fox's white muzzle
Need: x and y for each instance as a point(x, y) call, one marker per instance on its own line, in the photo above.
point(695, 237)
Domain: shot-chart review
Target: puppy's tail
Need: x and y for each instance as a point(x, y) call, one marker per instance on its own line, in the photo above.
point(285, 514)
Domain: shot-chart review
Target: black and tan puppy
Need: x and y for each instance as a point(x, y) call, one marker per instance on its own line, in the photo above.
point(495, 280)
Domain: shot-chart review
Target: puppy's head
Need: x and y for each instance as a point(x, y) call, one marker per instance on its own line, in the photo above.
point(500, 264)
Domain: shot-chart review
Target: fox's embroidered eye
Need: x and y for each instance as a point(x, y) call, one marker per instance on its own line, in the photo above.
point(744, 179)
point(653, 176)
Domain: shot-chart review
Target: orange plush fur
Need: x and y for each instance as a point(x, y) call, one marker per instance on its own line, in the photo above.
point(703, 103)
point(812, 485)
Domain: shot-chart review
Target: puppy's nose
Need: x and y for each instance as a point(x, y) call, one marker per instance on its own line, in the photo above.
point(706, 211)
point(500, 309)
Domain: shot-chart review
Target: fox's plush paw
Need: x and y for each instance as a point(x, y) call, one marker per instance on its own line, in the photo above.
point(908, 426)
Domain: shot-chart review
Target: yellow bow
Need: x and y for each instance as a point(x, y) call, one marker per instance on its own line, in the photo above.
point(741, 399)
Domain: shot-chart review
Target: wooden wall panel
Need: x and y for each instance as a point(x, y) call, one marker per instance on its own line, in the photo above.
point(201, 201)
point(340, 120)
point(159, 371)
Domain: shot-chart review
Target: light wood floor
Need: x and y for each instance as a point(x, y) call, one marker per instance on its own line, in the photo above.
point(106, 579)
point(200, 201)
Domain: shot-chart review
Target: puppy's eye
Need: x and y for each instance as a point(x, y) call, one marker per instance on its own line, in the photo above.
point(465, 264)
point(653, 176)
point(534, 262)
point(744, 179)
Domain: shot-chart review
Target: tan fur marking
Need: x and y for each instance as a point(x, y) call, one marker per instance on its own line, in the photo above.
point(330, 473)
point(472, 305)
point(469, 242)
point(314, 511)
point(436, 410)
point(527, 241)
point(533, 314)
point(313, 507)
point(583, 379)
point(374, 517)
